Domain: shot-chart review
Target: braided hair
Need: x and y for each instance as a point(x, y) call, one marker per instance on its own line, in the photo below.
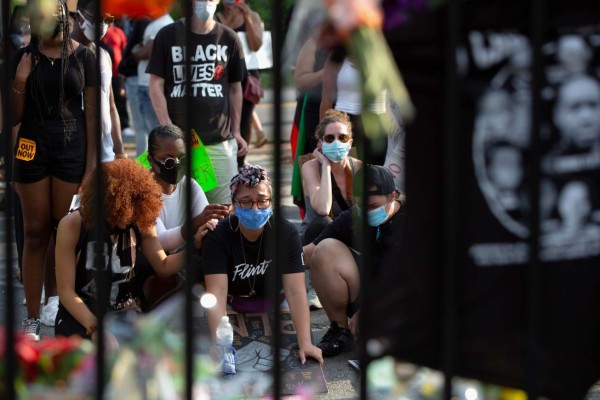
point(38, 94)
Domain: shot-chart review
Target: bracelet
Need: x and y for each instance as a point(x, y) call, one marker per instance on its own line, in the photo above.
point(90, 330)
point(17, 91)
point(121, 155)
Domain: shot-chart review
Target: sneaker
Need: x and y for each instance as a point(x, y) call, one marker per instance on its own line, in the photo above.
point(31, 328)
point(313, 300)
point(49, 311)
point(336, 340)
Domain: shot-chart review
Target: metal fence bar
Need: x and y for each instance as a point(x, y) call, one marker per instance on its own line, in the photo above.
point(534, 274)
point(362, 237)
point(102, 271)
point(451, 204)
point(9, 350)
point(277, 14)
point(188, 234)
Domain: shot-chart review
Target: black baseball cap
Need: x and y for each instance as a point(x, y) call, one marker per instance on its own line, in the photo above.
point(377, 176)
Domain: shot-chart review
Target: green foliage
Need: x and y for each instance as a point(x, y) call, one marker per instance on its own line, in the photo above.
point(264, 8)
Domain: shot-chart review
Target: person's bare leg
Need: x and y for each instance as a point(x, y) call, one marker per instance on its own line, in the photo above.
point(49, 272)
point(335, 277)
point(36, 204)
point(62, 194)
point(261, 138)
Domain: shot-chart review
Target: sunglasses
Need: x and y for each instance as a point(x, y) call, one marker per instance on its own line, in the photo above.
point(170, 162)
point(329, 138)
point(106, 18)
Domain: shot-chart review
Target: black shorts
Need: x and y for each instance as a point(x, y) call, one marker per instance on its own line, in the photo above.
point(58, 149)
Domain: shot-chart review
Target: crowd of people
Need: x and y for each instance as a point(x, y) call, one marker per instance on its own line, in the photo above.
point(53, 88)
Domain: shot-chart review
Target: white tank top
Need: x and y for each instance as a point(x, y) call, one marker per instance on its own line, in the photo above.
point(349, 95)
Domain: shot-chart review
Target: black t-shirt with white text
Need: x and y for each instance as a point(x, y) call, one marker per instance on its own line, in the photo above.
point(216, 61)
point(250, 265)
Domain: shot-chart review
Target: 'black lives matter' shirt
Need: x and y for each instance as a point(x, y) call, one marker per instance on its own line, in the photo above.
point(226, 251)
point(216, 61)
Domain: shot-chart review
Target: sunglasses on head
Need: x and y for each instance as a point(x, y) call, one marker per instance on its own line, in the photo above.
point(343, 137)
point(170, 162)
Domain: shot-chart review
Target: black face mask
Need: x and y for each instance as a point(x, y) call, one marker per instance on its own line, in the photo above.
point(171, 176)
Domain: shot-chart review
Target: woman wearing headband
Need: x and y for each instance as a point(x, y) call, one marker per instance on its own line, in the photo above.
point(239, 264)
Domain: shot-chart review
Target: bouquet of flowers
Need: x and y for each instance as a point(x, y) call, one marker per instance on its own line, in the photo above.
point(51, 362)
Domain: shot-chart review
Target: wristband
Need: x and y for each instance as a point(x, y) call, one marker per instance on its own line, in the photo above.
point(17, 91)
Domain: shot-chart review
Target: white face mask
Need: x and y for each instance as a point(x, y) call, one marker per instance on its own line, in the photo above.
point(204, 10)
point(89, 30)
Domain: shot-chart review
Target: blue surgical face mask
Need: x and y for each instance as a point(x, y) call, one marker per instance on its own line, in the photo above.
point(253, 218)
point(377, 216)
point(336, 151)
point(204, 10)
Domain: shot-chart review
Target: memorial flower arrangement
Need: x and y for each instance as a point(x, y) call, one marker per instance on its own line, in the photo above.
point(51, 362)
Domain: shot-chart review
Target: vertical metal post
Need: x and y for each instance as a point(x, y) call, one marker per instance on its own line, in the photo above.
point(277, 87)
point(534, 275)
point(188, 308)
point(451, 204)
point(362, 237)
point(102, 270)
point(9, 350)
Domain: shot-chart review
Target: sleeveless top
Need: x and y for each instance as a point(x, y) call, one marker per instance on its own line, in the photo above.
point(349, 94)
point(119, 250)
point(336, 207)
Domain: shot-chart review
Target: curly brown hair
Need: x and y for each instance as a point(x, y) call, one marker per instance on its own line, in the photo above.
point(131, 195)
point(331, 116)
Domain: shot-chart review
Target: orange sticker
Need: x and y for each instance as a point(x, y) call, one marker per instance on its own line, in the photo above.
point(25, 150)
point(195, 140)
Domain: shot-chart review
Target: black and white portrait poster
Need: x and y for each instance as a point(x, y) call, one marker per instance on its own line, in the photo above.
point(490, 228)
point(570, 137)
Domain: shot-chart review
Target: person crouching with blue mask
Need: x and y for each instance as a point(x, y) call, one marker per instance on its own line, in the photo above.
point(333, 257)
point(239, 264)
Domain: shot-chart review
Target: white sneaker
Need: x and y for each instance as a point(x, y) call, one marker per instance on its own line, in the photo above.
point(48, 316)
point(31, 328)
point(313, 301)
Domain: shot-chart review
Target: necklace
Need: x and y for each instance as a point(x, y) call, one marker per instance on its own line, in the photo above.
point(52, 60)
point(252, 285)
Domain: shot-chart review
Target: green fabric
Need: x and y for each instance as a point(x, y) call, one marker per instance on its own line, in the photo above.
point(202, 168)
point(296, 178)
